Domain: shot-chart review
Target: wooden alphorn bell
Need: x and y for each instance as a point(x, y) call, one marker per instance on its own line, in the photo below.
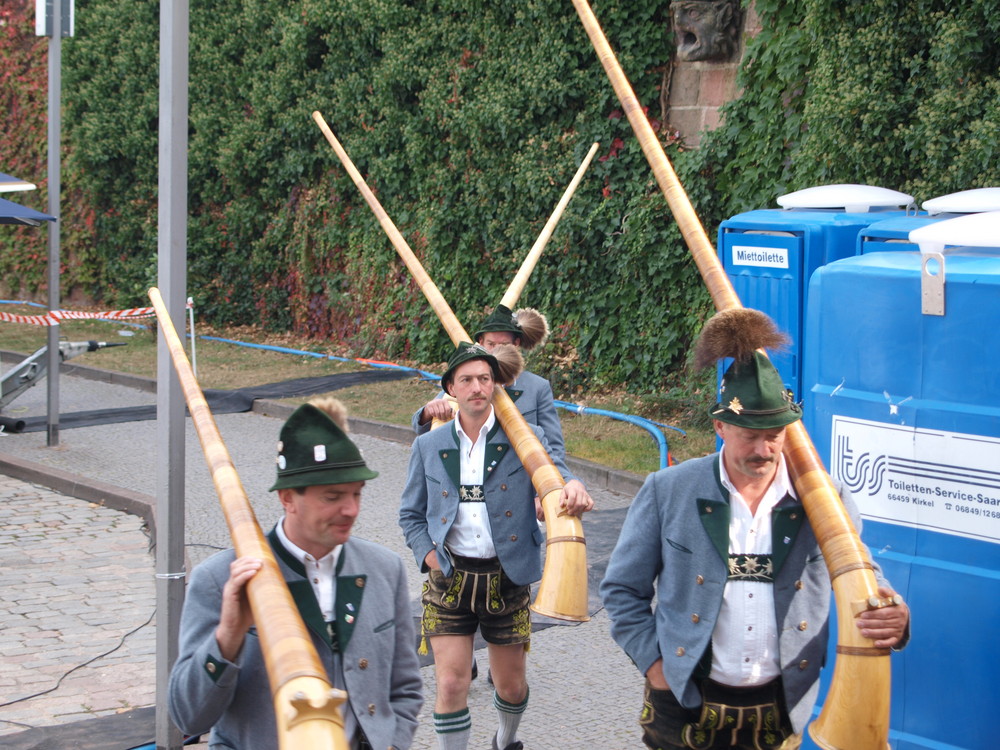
point(855, 715)
point(306, 706)
point(562, 593)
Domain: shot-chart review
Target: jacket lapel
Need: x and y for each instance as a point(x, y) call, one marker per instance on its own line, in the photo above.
point(350, 590)
point(451, 459)
point(786, 520)
point(300, 589)
point(714, 515)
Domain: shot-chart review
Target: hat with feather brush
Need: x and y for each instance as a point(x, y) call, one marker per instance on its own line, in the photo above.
point(752, 393)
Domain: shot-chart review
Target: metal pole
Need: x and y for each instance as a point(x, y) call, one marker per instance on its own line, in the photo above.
point(55, 123)
point(172, 275)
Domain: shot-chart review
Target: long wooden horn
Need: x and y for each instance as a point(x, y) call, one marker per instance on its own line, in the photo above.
point(306, 706)
point(563, 591)
point(855, 715)
point(513, 292)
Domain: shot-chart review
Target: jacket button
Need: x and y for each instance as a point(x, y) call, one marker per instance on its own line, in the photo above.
point(444, 493)
point(503, 486)
point(708, 508)
point(362, 664)
point(444, 520)
point(210, 668)
point(699, 580)
point(513, 537)
point(793, 516)
point(371, 709)
point(803, 625)
point(508, 514)
point(803, 664)
point(798, 585)
point(680, 651)
point(695, 617)
point(359, 582)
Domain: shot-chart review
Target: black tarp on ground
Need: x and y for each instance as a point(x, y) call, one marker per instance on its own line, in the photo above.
point(220, 402)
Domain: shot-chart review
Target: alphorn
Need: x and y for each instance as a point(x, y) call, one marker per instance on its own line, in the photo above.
point(306, 706)
point(516, 286)
point(855, 715)
point(562, 593)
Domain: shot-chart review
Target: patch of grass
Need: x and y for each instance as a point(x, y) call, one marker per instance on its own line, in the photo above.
point(604, 440)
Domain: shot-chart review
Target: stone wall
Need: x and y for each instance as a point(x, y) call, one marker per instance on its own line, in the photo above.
point(694, 89)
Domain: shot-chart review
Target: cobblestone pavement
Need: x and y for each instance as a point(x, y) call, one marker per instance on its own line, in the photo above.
point(77, 638)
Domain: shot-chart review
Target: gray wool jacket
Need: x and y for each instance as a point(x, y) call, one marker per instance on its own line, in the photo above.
point(380, 665)
point(673, 550)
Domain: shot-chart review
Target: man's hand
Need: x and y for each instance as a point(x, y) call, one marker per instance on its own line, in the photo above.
point(885, 625)
point(438, 408)
point(575, 499)
point(235, 617)
point(655, 676)
point(431, 560)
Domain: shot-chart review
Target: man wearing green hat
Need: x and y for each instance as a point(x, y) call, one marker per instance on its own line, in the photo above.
point(723, 547)
point(468, 514)
point(532, 394)
point(351, 594)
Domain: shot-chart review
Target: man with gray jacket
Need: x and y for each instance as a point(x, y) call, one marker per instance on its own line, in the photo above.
point(732, 649)
point(351, 594)
point(468, 515)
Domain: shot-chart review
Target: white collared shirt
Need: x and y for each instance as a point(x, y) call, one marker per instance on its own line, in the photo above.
point(321, 573)
point(471, 535)
point(745, 639)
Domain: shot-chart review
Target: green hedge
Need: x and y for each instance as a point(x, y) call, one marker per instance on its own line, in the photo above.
point(468, 119)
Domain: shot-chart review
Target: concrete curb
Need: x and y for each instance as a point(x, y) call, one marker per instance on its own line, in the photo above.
point(592, 474)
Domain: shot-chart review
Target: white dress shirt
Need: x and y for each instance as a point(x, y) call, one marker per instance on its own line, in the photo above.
point(471, 535)
point(745, 639)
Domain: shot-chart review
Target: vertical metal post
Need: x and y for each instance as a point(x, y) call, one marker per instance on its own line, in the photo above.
point(172, 282)
point(55, 124)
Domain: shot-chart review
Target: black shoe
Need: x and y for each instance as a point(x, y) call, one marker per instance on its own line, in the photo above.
point(475, 668)
point(515, 745)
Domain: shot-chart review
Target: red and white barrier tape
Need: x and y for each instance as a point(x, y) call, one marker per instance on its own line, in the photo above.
point(53, 318)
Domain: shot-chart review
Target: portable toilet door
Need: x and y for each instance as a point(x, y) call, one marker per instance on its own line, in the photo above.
point(894, 234)
point(903, 405)
point(770, 254)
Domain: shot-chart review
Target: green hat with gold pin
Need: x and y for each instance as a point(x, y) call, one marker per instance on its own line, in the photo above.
point(752, 393)
point(505, 361)
point(314, 449)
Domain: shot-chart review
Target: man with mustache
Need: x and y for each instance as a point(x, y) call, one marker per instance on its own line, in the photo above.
point(468, 514)
point(732, 650)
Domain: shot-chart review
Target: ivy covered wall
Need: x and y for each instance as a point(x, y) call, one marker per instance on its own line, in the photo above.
point(468, 118)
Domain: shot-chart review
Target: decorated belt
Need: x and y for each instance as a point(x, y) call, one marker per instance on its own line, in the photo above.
point(471, 493)
point(757, 568)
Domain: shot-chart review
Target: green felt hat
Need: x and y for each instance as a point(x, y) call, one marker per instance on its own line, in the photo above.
point(314, 450)
point(753, 395)
point(501, 320)
point(466, 352)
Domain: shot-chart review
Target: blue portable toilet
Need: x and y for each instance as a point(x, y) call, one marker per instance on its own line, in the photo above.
point(770, 254)
point(894, 233)
point(902, 405)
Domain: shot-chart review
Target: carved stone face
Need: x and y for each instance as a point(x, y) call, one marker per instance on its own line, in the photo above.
point(704, 29)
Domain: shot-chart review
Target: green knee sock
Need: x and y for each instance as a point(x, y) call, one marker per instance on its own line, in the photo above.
point(510, 718)
point(453, 729)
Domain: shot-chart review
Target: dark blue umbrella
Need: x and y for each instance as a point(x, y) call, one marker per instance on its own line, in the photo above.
point(15, 213)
